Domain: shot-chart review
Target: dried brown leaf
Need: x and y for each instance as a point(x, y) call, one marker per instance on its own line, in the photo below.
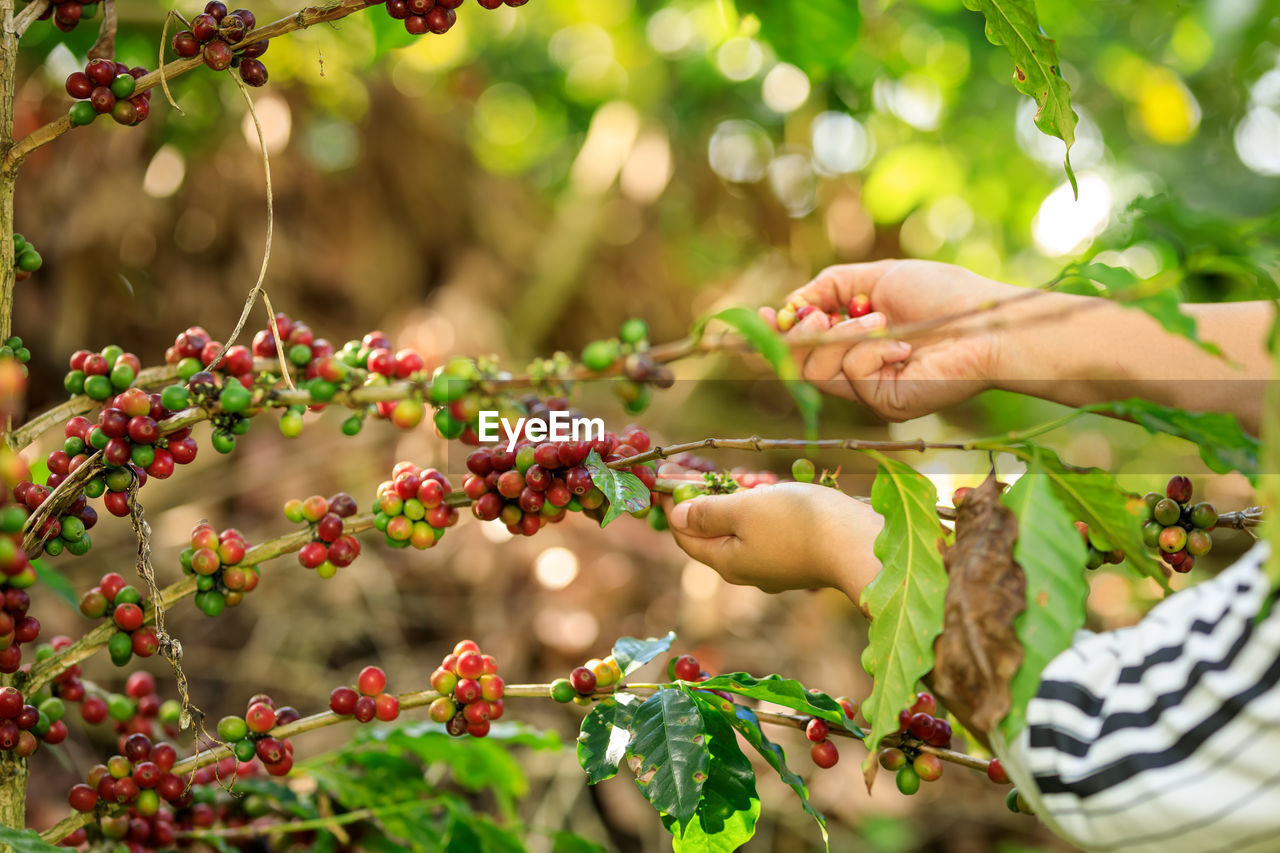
point(978, 652)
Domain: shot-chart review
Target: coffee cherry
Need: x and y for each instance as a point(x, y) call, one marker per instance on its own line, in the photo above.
point(925, 704)
point(1199, 543)
point(1204, 516)
point(816, 730)
point(908, 781)
point(996, 772)
point(1179, 489)
point(232, 728)
point(254, 73)
point(218, 55)
point(260, 718)
point(366, 709)
point(803, 471)
point(927, 767)
point(78, 85)
point(442, 710)
point(1166, 512)
point(83, 798)
point(1172, 539)
point(921, 726)
point(562, 690)
point(583, 680)
point(185, 44)
point(824, 754)
point(893, 759)
point(371, 681)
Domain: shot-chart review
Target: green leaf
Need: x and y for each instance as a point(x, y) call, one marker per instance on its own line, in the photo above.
point(816, 35)
point(1052, 556)
point(27, 841)
point(1013, 23)
point(727, 813)
point(770, 344)
point(603, 738)
point(56, 581)
point(1224, 446)
point(905, 600)
point(631, 654)
point(388, 34)
point(786, 692)
point(1093, 497)
point(668, 753)
point(623, 489)
point(745, 722)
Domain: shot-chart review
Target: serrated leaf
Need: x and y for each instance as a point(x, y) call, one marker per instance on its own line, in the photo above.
point(603, 738)
point(56, 581)
point(1093, 497)
point(1224, 446)
point(727, 813)
point(770, 344)
point(26, 841)
point(816, 35)
point(668, 753)
point(786, 692)
point(745, 722)
point(622, 489)
point(1052, 556)
point(1013, 23)
point(905, 600)
point(631, 653)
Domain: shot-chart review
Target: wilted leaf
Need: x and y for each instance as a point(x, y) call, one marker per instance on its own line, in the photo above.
point(978, 653)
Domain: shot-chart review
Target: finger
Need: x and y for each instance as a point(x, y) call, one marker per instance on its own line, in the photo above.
point(814, 324)
point(705, 517)
point(718, 552)
point(822, 363)
point(863, 363)
point(832, 288)
point(769, 315)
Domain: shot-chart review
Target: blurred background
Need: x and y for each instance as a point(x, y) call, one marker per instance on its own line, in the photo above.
point(525, 183)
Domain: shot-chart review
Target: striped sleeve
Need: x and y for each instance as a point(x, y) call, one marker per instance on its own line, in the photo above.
point(1165, 735)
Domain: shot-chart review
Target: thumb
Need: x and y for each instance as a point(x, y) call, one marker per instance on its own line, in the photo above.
point(705, 517)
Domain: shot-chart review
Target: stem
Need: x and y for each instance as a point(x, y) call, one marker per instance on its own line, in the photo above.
point(13, 790)
point(8, 84)
point(759, 444)
point(29, 15)
point(300, 20)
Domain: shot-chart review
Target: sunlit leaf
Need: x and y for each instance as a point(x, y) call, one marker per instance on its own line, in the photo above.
point(622, 489)
point(668, 753)
point(786, 692)
point(603, 738)
point(631, 653)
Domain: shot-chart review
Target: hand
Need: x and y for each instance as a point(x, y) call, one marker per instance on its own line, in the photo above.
point(786, 536)
point(896, 379)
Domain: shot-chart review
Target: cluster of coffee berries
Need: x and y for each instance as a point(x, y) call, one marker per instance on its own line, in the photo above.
point(584, 681)
point(69, 532)
point(537, 482)
point(195, 349)
point(121, 603)
point(16, 626)
point(470, 691)
point(249, 736)
point(410, 508)
point(214, 558)
point(795, 311)
point(26, 260)
point(99, 375)
point(214, 35)
point(912, 765)
point(229, 399)
point(67, 13)
point(1179, 529)
point(1097, 556)
point(431, 16)
point(22, 726)
point(639, 370)
point(329, 549)
point(137, 710)
point(106, 86)
point(140, 775)
point(368, 700)
point(368, 361)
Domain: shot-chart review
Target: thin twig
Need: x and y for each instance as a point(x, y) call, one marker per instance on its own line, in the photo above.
point(161, 67)
point(105, 46)
point(758, 444)
point(29, 15)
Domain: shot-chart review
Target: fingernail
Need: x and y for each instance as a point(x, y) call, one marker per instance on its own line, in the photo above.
point(679, 515)
point(902, 347)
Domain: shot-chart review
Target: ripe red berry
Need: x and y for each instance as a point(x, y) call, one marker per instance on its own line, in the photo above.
point(824, 754)
point(1179, 489)
point(128, 617)
point(82, 798)
point(470, 665)
point(816, 730)
point(921, 726)
point(925, 704)
point(686, 668)
point(467, 690)
point(343, 701)
point(366, 709)
point(371, 681)
point(260, 717)
point(583, 680)
point(388, 707)
point(996, 772)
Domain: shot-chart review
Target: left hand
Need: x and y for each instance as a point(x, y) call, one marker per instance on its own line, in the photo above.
point(780, 537)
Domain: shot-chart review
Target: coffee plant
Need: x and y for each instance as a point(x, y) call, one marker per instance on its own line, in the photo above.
point(178, 779)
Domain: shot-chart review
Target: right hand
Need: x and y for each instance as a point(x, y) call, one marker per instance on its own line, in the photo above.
point(896, 379)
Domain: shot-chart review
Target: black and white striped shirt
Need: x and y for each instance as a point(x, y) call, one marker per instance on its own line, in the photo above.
point(1164, 736)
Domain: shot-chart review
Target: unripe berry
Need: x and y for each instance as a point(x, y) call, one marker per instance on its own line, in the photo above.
point(1166, 512)
point(893, 759)
point(927, 767)
point(908, 781)
point(1172, 539)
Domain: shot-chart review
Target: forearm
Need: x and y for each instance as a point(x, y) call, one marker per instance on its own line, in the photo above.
point(1077, 350)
